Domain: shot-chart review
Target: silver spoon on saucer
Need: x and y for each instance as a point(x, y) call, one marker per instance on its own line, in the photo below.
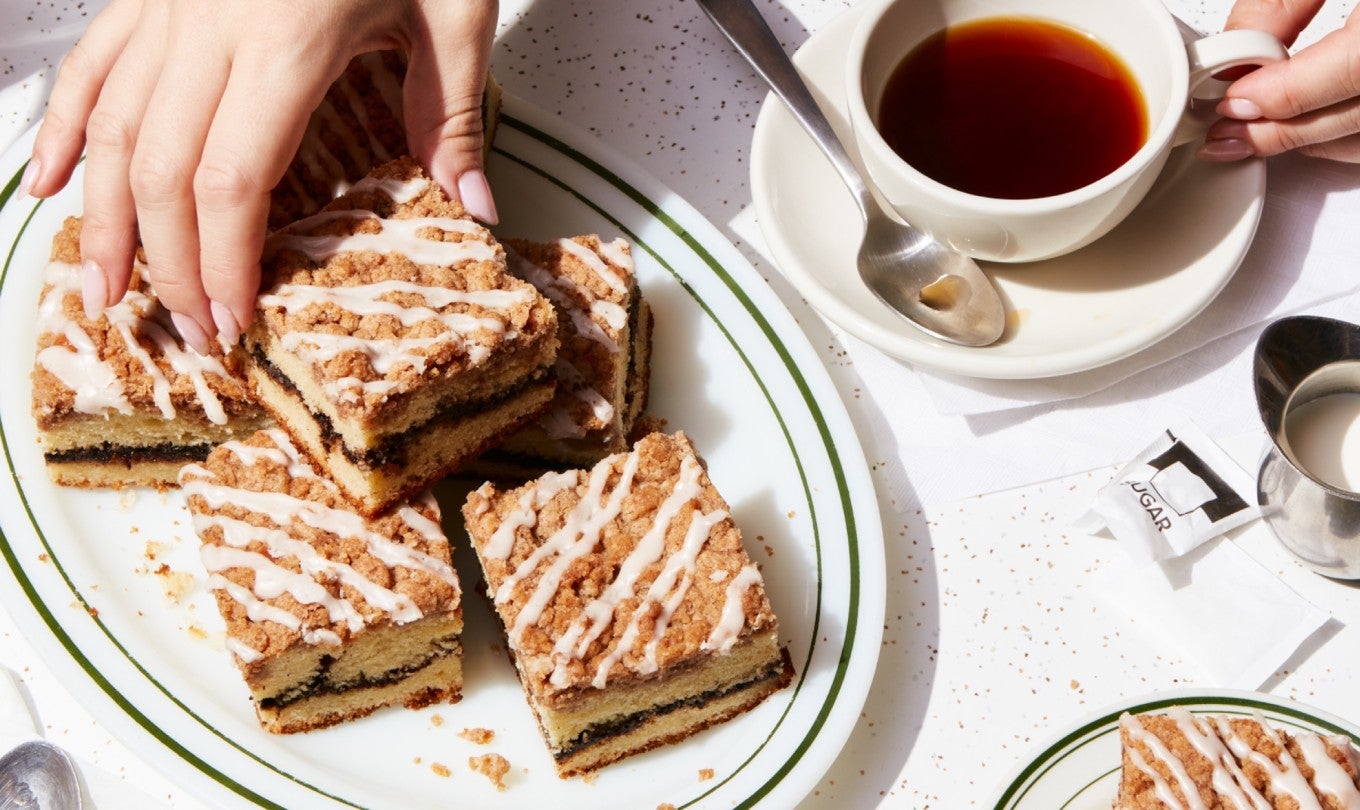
point(935, 287)
point(38, 775)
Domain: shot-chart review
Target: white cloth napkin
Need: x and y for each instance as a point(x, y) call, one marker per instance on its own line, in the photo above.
point(99, 788)
point(954, 438)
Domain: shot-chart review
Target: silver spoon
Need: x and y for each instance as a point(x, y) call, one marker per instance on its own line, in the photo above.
point(38, 775)
point(937, 288)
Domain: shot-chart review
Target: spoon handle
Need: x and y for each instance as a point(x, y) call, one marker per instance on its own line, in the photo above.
point(741, 23)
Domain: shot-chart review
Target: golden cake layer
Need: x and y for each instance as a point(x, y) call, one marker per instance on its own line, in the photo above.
point(391, 342)
point(633, 613)
point(121, 400)
point(1182, 760)
point(329, 615)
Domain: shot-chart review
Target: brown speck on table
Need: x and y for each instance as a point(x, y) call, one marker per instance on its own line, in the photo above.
point(492, 766)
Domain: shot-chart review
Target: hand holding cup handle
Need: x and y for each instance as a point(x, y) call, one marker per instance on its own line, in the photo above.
point(1211, 55)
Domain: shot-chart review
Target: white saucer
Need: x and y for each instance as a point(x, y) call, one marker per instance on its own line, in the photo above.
point(1119, 295)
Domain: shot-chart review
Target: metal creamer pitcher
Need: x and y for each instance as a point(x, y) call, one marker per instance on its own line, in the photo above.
point(1299, 360)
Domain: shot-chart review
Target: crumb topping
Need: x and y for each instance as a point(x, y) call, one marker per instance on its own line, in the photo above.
point(615, 568)
point(288, 557)
point(480, 736)
point(130, 359)
point(390, 285)
point(592, 282)
point(492, 766)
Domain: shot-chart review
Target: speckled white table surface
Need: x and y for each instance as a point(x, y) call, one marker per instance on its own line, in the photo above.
point(994, 639)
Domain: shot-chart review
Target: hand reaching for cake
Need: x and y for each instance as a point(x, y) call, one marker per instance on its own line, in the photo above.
point(1309, 104)
point(190, 112)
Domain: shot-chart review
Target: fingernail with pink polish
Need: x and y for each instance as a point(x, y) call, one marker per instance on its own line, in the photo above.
point(475, 194)
point(192, 333)
point(30, 177)
point(227, 326)
point(1222, 150)
point(1243, 109)
point(94, 289)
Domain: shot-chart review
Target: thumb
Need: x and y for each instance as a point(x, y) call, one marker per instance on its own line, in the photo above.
point(445, 80)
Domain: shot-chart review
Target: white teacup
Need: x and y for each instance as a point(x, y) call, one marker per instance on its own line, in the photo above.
point(1140, 32)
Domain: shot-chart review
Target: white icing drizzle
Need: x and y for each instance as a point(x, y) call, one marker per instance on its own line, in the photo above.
point(729, 627)
point(1160, 786)
point(618, 254)
point(578, 536)
point(1228, 779)
point(1329, 778)
point(530, 502)
point(396, 236)
point(1284, 776)
point(559, 422)
point(592, 260)
point(243, 651)
point(1136, 732)
point(96, 384)
point(400, 191)
point(599, 612)
point(271, 579)
point(718, 575)
point(567, 295)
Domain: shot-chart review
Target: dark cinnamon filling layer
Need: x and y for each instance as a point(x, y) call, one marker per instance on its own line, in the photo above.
point(127, 456)
point(392, 449)
point(602, 732)
point(318, 685)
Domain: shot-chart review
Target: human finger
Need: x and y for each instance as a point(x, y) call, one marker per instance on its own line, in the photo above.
point(108, 237)
point(1345, 150)
point(443, 99)
point(61, 136)
point(176, 124)
point(1318, 76)
point(1264, 137)
point(253, 137)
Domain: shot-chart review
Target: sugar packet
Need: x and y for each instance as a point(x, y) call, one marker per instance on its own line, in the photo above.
point(1180, 492)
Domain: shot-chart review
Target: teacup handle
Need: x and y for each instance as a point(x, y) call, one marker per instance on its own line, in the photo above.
point(1215, 53)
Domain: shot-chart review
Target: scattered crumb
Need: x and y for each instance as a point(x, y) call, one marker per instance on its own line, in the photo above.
point(705, 774)
point(481, 736)
point(154, 549)
point(440, 769)
point(589, 778)
point(437, 720)
point(175, 585)
point(197, 632)
point(415, 760)
point(665, 806)
point(1075, 684)
point(492, 766)
point(43, 557)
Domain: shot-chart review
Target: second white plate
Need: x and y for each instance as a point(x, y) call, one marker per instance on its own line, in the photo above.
point(1079, 770)
point(1121, 294)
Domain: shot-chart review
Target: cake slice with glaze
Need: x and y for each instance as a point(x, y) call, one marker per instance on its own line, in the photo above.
point(390, 341)
point(329, 615)
point(121, 400)
point(602, 366)
point(633, 614)
point(1181, 760)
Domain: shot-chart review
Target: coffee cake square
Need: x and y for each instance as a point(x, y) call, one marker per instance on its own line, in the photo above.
point(390, 341)
point(329, 615)
point(633, 614)
point(121, 400)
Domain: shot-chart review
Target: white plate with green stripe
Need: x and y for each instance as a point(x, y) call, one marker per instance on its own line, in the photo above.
point(1079, 768)
point(107, 586)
